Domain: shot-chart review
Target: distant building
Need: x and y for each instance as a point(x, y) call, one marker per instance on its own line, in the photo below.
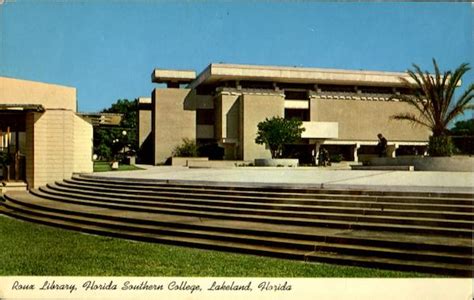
point(343, 110)
point(39, 125)
point(102, 119)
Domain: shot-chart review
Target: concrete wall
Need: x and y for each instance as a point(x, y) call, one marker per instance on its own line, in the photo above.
point(16, 91)
point(227, 117)
point(253, 110)
point(145, 139)
point(53, 146)
point(29, 150)
point(59, 143)
point(171, 121)
point(449, 164)
point(362, 120)
point(144, 124)
point(83, 145)
point(144, 127)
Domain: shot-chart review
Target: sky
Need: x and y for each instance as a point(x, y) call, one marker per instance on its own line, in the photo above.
point(108, 49)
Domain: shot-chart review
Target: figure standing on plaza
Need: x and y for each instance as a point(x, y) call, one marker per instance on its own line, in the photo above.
point(382, 146)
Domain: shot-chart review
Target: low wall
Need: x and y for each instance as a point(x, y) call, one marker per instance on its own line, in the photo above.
point(184, 161)
point(426, 163)
point(276, 162)
point(214, 164)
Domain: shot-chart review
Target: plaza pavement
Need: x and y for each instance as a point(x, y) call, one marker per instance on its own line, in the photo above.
point(309, 177)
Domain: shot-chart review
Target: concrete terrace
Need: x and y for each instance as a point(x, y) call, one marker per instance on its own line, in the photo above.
point(308, 177)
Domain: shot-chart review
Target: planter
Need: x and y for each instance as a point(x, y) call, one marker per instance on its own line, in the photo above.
point(184, 161)
point(129, 160)
point(114, 165)
point(276, 162)
point(427, 163)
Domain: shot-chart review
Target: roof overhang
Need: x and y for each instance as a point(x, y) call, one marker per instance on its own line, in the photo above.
point(21, 107)
point(174, 76)
point(144, 100)
point(227, 72)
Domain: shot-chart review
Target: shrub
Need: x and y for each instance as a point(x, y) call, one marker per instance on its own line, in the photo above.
point(440, 146)
point(5, 159)
point(336, 158)
point(187, 149)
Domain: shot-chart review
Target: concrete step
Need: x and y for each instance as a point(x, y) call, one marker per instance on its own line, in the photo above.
point(253, 239)
point(376, 239)
point(286, 248)
point(355, 207)
point(241, 188)
point(269, 211)
point(234, 214)
point(274, 246)
point(273, 197)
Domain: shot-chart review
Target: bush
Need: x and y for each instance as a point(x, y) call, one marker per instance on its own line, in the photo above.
point(463, 144)
point(187, 149)
point(5, 159)
point(440, 146)
point(336, 158)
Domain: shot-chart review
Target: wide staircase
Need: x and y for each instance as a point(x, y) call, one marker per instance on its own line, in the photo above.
point(412, 231)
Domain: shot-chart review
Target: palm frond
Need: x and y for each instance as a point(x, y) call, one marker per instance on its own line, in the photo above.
point(433, 97)
point(455, 79)
point(462, 104)
point(412, 118)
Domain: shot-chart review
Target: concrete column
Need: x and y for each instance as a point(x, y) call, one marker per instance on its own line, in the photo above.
point(391, 150)
point(316, 153)
point(229, 151)
point(356, 148)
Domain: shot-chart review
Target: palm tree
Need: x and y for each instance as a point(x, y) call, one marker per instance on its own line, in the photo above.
point(433, 99)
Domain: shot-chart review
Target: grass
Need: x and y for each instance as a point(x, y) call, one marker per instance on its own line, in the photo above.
point(33, 250)
point(103, 166)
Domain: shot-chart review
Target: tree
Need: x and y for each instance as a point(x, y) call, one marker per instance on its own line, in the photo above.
point(432, 97)
point(109, 141)
point(465, 127)
point(187, 148)
point(462, 135)
point(277, 132)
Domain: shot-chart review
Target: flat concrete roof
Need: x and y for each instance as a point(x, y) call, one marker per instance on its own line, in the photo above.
point(144, 100)
point(168, 75)
point(21, 107)
point(220, 72)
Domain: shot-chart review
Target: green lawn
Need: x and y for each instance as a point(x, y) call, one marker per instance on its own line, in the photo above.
point(103, 166)
point(32, 249)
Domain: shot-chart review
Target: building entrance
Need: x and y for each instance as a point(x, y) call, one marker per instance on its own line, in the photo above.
point(12, 145)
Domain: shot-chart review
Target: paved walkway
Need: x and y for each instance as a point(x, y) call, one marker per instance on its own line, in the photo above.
point(309, 177)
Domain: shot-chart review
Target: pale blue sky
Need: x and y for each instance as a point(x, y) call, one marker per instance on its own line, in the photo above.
point(107, 50)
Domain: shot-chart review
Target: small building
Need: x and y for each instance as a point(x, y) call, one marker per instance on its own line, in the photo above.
point(101, 119)
point(42, 132)
point(343, 110)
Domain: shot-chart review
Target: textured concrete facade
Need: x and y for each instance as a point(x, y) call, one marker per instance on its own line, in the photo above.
point(145, 143)
point(57, 141)
point(83, 145)
point(254, 109)
point(355, 125)
point(173, 119)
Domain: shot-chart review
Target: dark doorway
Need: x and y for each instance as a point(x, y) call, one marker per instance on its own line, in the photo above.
point(304, 153)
